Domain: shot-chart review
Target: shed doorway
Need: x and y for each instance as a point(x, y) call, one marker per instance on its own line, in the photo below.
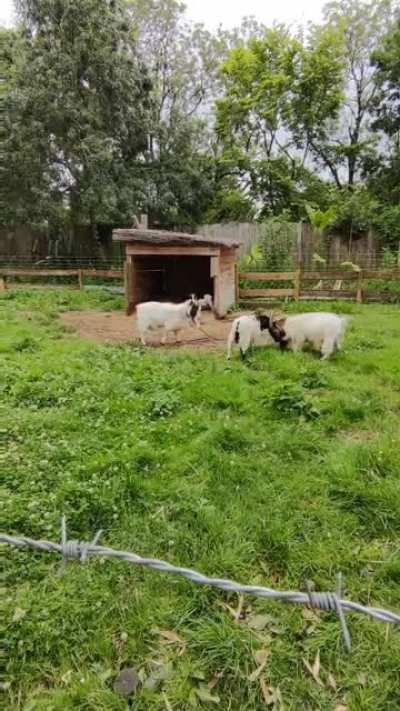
point(171, 278)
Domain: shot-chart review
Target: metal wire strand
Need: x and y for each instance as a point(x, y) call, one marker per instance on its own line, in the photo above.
point(328, 601)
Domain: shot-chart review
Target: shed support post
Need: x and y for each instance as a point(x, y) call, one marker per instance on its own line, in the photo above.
point(237, 293)
point(129, 285)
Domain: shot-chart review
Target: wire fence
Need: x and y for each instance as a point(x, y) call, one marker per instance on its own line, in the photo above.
point(328, 601)
point(62, 262)
point(271, 259)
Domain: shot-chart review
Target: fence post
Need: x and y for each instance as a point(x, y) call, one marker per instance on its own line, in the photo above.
point(80, 279)
point(297, 284)
point(236, 284)
point(128, 286)
point(360, 287)
point(299, 246)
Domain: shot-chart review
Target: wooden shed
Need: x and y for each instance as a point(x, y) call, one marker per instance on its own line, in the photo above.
point(169, 266)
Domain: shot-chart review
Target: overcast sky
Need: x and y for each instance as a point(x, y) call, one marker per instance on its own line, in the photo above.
point(230, 12)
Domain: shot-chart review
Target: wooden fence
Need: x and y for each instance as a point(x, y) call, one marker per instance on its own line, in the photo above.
point(80, 274)
point(298, 289)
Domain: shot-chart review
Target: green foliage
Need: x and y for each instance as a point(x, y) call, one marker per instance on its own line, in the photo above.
point(386, 59)
point(75, 114)
point(355, 210)
point(321, 220)
point(293, 106)
point(275, 249)
point(121, 105)
point(279, 244)
point(240, 480)
point(360, 27)
point(229, 204)
point(254, 259)
point(182, 62)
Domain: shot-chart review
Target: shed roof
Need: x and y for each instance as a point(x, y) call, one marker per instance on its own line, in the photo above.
point(171, 238)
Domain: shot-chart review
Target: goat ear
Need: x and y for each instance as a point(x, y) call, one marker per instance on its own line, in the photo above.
point(280, 322)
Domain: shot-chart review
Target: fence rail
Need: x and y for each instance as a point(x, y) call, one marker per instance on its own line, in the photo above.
point(80, 274)
point(360, 279)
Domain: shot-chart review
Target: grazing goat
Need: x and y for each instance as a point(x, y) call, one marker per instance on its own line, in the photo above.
point(324, 331)
point(255, 330)
point(171, 317)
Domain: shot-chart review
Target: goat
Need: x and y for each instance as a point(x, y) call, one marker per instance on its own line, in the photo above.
point(171, 317)
point(206, 302)
point(258, 330)
point(325, 331)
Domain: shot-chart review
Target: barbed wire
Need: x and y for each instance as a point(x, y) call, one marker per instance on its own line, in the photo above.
point(327, 601)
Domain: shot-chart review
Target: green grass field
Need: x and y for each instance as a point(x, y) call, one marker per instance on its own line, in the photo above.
point(273, 472)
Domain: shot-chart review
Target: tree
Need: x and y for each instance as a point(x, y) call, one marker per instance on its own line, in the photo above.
point(277, 95)
point(386, 60)
point(346, 142)
point(182, 61)
point(76, 114)
point(383, 173)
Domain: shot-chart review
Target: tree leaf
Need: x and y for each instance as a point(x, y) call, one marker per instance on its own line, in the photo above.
point(271, 696)
point(66, 678)
point(160, 673)
point(204, 694)
point(166, 702)
point(308, 614)
point(259, 622)
point(172, 637)
point(314, 669)
point(316, 666)
point(261, 657)
point(19, 614)
point(215, 680)
point(332, 682)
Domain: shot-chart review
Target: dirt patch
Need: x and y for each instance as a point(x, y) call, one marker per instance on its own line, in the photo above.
point(358, 436)
point(115, 327)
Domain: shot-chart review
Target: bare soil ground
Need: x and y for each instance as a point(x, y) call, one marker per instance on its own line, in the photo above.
point(115, 327)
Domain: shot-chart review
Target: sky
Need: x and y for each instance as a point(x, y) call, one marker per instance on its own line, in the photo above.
point(230, 12)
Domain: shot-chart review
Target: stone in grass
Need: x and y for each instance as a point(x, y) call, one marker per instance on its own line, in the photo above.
point(126, 682)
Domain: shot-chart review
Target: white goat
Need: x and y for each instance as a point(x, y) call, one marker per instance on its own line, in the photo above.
point(252, 330)
point(206, 302)
point(324, 331)
point(171, 317)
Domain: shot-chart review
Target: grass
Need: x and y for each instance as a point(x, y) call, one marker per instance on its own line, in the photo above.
point(273, 472)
